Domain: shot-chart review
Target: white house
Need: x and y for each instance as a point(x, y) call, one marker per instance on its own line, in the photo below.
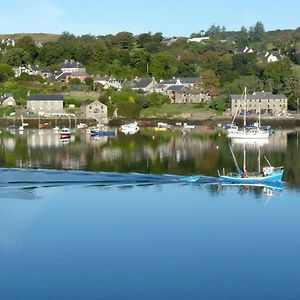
point(199, 39)
point(70, 66)
point(108, 82)
point(7, 100)
point(273, 58)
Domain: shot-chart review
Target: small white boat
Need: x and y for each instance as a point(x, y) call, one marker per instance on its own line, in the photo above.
point(186, 126)
point(130, 128)
point(81, 126)
point(56, 129)
point(164, 125)
point(65, 133)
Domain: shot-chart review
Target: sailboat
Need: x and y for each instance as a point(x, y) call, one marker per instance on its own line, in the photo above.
point(268, 173)
point(249, 133)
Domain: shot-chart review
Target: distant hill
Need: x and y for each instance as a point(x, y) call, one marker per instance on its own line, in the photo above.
point(39, 37)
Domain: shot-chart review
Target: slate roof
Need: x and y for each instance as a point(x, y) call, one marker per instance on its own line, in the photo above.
point(45, 98)
point(175, 88)
point(87, 102)
point(142, 83)
point(259, 96)
point(191, 80)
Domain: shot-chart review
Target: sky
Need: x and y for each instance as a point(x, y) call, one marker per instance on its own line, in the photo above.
point(172, 18)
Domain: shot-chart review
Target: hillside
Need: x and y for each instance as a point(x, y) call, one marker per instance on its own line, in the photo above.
point(37, 37)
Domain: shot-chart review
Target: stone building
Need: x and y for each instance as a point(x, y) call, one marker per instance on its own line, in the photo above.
point(91, 109)
point(181, 96)
point(264, 102)
point(45, 104)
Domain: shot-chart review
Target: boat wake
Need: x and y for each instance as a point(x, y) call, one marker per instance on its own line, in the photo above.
point(32, 178)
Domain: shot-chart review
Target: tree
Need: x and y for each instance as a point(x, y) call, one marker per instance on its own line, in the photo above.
point(257, 33)
point(279, 72)
point(27, 44)
point(163, 65)
point(210, 79)
point(17, 57)
point(6, 71)
point(242, 38)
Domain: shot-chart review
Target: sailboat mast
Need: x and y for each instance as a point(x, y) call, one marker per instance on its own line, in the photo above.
point(245, 107)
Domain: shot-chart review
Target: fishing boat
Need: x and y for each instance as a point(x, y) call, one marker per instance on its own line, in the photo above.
point(268, 173)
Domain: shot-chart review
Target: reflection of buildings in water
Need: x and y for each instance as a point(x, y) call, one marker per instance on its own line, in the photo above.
point(43, 139)
point(8, 143)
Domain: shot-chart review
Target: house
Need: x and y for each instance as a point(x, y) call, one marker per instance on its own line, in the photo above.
point(45, 104)
point(190, 96)
point(245, 50)
point(199, 39)
point(144, 84)
point(70, 66)
point(186, 82)
point(273, 57)
point(264, 102)
point(7, 100)
point(78, 75)
point(33, 70)
point(94, 109)
point(108, 82)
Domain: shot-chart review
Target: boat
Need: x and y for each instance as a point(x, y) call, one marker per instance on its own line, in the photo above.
point(268, 173)
point(65, 133)
point(102, 132)
point(248, 132)
point(56, 129)
point(187, 126)
point(164, 125)
point(130, 128)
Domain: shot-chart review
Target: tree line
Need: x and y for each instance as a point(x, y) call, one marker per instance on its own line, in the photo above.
point(216, 60)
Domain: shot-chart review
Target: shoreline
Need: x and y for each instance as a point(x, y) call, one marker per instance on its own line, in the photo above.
point(276, 122)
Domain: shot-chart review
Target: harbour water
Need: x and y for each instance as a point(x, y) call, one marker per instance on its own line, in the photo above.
point(99, 219)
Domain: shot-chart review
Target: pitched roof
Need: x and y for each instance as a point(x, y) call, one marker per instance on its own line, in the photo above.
point(6, 96)
point(45, 98)
point(175, 88)
point(191, 80)
point(142, 83)
point(259, 96)
point(88, 102)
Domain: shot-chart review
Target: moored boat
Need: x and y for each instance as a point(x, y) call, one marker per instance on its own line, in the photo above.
point(130, 128)
point(65, 133)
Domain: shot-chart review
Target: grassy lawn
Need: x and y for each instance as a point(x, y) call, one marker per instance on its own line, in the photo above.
point(169, 110)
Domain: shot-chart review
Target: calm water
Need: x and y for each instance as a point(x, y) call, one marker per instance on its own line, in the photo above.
point(92, 235)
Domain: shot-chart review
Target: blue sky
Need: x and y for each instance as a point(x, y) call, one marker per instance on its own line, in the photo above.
point(172, 18)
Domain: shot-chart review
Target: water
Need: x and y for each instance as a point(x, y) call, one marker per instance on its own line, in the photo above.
point(73, 234)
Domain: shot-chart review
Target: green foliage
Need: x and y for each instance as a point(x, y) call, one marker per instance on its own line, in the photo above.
point(27, 77)
point(74, 81)
point(128, 110)
point(220, 103)
point(17, 57)
point(6, 71)
point(6, 111)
